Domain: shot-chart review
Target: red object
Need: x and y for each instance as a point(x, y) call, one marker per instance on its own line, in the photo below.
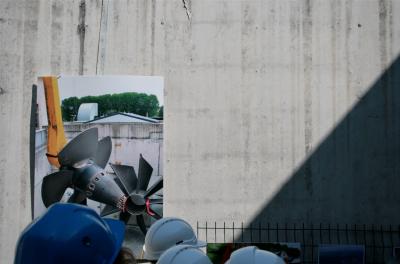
point(148, 209)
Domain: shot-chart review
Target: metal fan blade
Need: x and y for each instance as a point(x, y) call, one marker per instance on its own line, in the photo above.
point(145, 171)
point(141, 224)
point(81, 147)
point(154, 188)
point(124, 217)
point(127, 177)
point(156, 201)
point(54, 186)
point(109, 209)
point(120, 185)
point(155, 215)
point(103, 152)
point(78, 197)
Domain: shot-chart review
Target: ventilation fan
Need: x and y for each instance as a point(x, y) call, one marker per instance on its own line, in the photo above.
point(136, 188)
point(83, 161)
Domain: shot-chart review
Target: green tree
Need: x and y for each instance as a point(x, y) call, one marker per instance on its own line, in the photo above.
point(69, 108)
point(130, 102)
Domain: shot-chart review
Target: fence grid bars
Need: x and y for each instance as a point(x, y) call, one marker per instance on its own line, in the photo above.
point(378, 241)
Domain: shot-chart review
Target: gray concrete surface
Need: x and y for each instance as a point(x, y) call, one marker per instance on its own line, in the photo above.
point(272, 108)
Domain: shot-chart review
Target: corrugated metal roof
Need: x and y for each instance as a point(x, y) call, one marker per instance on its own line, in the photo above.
point(124, 118)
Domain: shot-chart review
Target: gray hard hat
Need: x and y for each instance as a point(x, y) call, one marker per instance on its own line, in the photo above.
point(184, 254)
point(253, 255)
point(168, 232)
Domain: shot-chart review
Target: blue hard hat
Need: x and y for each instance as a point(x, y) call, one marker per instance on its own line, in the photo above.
point(70, 233)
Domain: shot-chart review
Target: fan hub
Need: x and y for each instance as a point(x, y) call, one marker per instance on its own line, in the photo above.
point(136, 204)
point(138, 199)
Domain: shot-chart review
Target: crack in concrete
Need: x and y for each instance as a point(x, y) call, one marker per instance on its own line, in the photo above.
point(98, 43)
point(186, 5)
point(101, 44)
point(81, 32)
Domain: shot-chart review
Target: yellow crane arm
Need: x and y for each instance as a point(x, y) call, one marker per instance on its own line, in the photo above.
point(55, 132)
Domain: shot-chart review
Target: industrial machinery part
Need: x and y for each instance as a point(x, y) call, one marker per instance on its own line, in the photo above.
point(82, 162)
point(166, 233)
point(70, 233)
point(136, 188)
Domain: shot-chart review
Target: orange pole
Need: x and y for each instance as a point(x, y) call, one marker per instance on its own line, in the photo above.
point(55, 132)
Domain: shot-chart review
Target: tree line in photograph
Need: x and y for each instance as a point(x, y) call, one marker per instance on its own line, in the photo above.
point(130, 102)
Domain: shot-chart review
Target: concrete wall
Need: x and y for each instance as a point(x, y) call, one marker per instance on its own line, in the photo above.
point(274, 109)
point(288, 109)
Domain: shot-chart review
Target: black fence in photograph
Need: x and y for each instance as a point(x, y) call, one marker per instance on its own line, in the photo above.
point(379, 242)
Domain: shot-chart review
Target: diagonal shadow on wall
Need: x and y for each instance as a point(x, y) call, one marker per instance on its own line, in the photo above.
point(353, 176)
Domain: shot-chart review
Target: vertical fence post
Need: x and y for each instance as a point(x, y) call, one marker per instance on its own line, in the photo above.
point(277, 232)
point(383, 244)
point(233, 232)
point(286, 236)
point(329, 233)
point(242, 232)
point(206, 232)
point(312, 242)
point(365, 238)
point(303, 244)
point(251, 232)
point(224, 232)
point(398, 231)
point(215, 232)
point(391, 236)
point(373, 243)
point(355, 234)
point(320, 233)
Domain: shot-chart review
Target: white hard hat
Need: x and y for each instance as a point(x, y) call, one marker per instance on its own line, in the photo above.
point(168, 232)
point(184, 254)
point(253, 255)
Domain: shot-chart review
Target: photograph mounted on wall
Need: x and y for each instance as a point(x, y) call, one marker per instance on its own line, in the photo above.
point(219, 253)
point(99, 141)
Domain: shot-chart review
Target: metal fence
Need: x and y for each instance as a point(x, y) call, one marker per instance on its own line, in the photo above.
point(378, 241)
